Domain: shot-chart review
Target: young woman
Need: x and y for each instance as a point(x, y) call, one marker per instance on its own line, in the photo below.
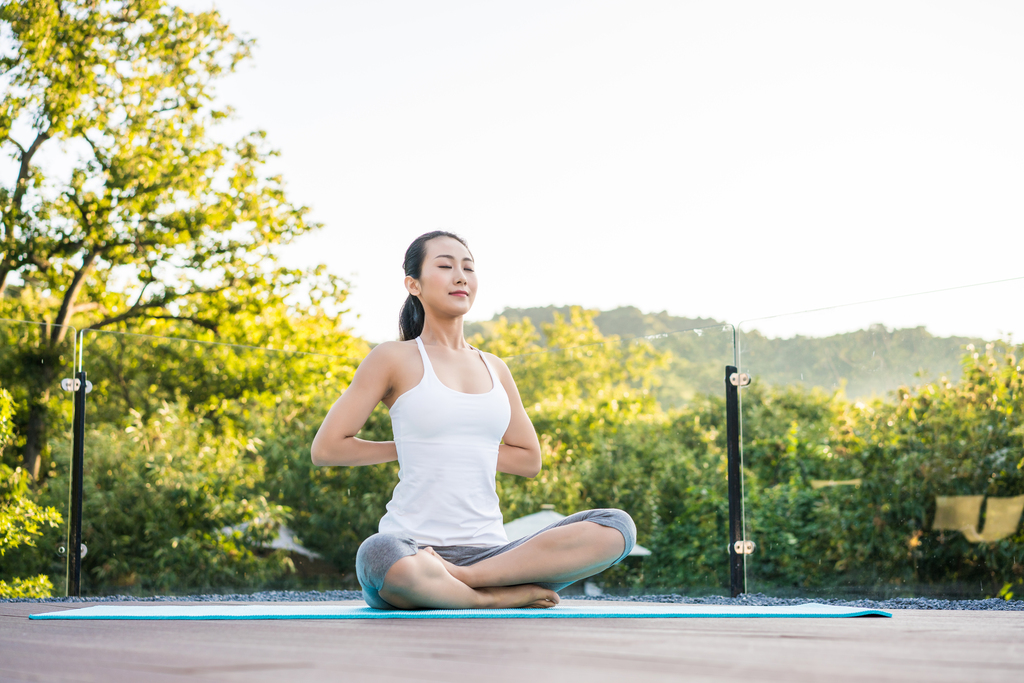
point(457, 418)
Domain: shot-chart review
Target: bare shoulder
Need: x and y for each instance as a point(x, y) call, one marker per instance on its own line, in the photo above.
point(388, 355)
point(491, 358)
point(498, 364)
point(392, 349)
point(385, 368)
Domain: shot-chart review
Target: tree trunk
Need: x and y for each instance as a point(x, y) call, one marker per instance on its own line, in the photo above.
point(67, 304)
point(35, 437)
point(40, 382)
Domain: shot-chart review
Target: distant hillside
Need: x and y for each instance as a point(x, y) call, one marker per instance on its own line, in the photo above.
point(870, 362)
point(626, 321)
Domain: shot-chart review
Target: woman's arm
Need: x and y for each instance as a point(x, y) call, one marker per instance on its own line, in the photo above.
point(519, 452)
point(335, 442)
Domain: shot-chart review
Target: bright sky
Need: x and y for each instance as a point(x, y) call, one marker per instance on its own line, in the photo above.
point(723, 159)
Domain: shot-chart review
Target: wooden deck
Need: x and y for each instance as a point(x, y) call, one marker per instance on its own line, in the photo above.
point(912, 646)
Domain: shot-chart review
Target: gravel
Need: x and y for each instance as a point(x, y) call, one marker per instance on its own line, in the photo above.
point(761, 600)
point(261, 596)
point(751, 600)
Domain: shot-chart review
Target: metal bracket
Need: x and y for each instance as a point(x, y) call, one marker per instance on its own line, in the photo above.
point(744, 547)
point(74, 384)
point(62, 550)
point(739, 379)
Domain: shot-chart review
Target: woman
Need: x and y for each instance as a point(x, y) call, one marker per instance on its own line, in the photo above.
point(457, 418)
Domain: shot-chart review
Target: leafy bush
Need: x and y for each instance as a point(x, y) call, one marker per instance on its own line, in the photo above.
point(667, 468)
point(939, 439)
point(36, 587)
point(158, 495)
point(333, 508)
point(21, 519)
point(235, 448)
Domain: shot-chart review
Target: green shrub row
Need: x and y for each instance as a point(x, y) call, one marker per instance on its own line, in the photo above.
point(163, 483)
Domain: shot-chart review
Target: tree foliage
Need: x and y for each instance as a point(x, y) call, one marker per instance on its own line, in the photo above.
point(219, 435)
point(125, 206)
point(170, 490)
point(21, 519)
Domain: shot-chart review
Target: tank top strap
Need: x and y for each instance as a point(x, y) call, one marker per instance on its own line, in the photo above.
point(490, 370)
point(428, 369)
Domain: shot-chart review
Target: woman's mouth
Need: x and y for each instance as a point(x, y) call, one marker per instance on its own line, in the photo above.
point(460, 293)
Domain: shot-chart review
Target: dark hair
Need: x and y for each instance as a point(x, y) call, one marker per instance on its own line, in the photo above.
point(410, 320)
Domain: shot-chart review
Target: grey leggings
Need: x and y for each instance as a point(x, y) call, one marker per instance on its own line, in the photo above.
point(380, 551)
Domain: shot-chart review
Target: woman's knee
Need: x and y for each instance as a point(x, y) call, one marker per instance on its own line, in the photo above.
point(620, 521)
point(377, 554)
point(410, 571)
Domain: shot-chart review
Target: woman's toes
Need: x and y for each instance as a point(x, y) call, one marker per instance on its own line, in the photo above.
point(546, 599)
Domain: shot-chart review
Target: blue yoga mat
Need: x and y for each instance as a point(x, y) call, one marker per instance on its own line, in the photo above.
point(313, 611)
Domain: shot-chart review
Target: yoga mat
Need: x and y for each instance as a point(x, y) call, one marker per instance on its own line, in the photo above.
point(619, 611)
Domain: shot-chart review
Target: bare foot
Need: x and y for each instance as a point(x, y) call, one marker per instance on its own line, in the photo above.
point(527, 595)
point(498, 597)
point(422, 581)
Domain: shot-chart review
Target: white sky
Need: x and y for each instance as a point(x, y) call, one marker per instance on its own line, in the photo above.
point(723, 159)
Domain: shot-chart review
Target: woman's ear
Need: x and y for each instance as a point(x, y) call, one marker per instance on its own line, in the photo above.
point(412, 285)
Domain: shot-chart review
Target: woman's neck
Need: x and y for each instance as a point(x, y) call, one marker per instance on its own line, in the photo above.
point(448, 333)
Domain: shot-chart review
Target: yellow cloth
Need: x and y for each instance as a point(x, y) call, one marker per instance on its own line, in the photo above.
point(963, 513)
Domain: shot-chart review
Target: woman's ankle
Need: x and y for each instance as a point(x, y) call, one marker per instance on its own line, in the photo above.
point(493, 597)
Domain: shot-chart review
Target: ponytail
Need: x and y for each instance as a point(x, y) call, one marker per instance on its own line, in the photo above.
point(410, 320)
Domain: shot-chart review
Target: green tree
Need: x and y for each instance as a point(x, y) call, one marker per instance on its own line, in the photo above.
point(146, 215)
point(21, 520)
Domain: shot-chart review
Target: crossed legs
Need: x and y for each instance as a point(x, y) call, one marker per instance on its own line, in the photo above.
point(559, 555)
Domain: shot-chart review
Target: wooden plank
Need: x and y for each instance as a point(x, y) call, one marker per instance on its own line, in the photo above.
point(913, 645)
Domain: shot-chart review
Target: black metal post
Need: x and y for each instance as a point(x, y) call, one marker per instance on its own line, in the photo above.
point(737, 573)
point(74, 587)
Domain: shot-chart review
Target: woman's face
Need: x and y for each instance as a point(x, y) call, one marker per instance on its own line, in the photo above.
point(447, 282)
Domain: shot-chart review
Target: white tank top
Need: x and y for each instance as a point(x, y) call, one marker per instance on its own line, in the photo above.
point(447, 455)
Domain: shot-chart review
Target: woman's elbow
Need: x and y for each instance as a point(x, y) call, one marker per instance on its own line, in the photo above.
point(318, 454)
point(534, 467)
point(334, 453)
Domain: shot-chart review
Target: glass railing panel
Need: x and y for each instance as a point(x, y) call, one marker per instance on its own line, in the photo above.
point(198, 475)
point(35, 455)
point(197, 453)
point(882, 447)
point(638, 425)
